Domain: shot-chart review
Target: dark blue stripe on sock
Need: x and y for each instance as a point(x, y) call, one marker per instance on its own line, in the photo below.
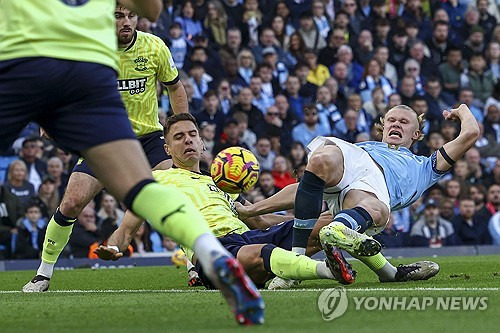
point(265, 254)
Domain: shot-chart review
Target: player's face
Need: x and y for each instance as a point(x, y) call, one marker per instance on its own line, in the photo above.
point(400, 128)
point(184, 144)
point(126, 23)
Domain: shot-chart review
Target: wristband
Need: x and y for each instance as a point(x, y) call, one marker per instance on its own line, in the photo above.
point(114, 247)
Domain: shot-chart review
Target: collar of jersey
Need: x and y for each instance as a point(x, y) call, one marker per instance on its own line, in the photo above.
point(133, 42)
point(203, 173)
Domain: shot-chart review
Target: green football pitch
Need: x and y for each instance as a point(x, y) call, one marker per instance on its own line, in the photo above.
point(157, 299)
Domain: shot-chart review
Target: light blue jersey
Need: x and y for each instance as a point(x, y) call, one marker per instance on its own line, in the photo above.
point(407, 175)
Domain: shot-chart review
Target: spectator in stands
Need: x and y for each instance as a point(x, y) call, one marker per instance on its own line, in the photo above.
point(390, 237)
point(260, 99)
point(246, 65)
point(30, 154)
point(161, 27)
point(266, 184)
point(451, 70)
point(279, 71)
point(449, 131)
point(456, 12)
point(191, 25)
point(245, 105)
point(327, 111)
point(211, 112)
point(398, 51)
point(479, 79)
point(447, 209)
point(477, 192)
point(486, 20)
point(453, 190)
point(297, 155)
point(475, 42)
point(364, 47)
point(267, 39)
point(208, 58)
point(56, 171)
point(431, 230)
point(354, 69)
point(439, 43)
point(381, 54)
point(295, 101)
point(382, 29)
point(274, 126)
point(177, 44)
point(471, 229)
point(279, 28)
point(233, 45)
point(281, 173)
point(417, 52)
point(225, 97)
point(10, 211)
point(407, 89)
point(412, 68)
point(195, 104)
point(30, 235)
point(309, 31)
point(68, 160)
point(492, 204)
point(320, 19)
point(413, 12)
point(492, 121)
point(48, 197)
point(252, 18)
point(207, 134)
point(263, 152)
point(311, 127)
point(141, 243)
point(246, 135)
point(270, 85)
point(373, 77)
point(295, 49)
point(350, 7)
point(85, 234)
point(346, 129)
point(493, 59)
point(200, 81)
point(230, 137)
point(376, 106)
point(307, 89)
point(477, 170)
point(109, 211)
point(328, 55)
point(318, 73)
point(18, 184)
point(436, 100)
point(216, 23)
point(435, 141)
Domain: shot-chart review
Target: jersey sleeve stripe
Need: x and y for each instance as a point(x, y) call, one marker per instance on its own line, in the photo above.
point(174, 81)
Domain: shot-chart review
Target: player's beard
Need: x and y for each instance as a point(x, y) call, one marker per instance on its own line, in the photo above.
point(125, 40)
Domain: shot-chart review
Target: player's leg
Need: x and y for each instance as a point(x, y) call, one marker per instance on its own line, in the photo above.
point(324, 168)
point(82, 187)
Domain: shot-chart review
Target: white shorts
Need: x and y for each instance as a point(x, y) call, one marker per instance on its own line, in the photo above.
point(360, 173)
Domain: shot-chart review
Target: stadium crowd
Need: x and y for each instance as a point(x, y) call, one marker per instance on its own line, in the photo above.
point(272, 75)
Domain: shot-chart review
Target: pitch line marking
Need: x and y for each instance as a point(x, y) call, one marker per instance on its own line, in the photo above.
point(117, 291)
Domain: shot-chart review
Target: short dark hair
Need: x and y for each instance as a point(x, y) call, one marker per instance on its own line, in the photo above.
point(441, 22)
point(209, 94)
point(175, 119)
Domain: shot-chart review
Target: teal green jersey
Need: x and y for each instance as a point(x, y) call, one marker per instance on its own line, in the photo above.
point(79, 30)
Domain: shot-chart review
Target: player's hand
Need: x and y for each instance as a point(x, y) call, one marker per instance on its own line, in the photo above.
point(105, 253)
point(243, 211)
point(455, 114)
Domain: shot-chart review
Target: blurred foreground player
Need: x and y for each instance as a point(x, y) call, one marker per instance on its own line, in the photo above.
point(60, 56)
point(143, 60)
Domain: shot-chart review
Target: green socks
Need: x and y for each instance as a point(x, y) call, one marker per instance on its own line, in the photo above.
point(290, 265)
point(57, 236)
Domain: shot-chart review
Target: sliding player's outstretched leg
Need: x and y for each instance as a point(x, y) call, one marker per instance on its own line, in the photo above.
point(81, 188)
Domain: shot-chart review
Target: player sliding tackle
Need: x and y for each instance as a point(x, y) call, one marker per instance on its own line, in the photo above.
point(63, 60)
point(263, 253)
point(363, 183)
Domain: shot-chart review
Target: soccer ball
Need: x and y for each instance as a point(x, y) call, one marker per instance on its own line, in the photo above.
point(235, 170)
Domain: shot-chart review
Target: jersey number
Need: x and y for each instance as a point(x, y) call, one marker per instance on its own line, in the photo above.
point(75, 3)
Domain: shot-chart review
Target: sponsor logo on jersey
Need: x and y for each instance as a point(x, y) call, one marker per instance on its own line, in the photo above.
point(133, 86)
point(140, 63)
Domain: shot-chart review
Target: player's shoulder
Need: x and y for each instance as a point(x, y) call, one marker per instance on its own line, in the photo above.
point(150, 38)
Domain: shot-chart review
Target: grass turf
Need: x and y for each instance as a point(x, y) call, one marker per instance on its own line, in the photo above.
point(185, 310)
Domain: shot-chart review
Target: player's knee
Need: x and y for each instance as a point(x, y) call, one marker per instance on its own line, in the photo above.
point(249, 257)
point(322, 163)
point(378, 211)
